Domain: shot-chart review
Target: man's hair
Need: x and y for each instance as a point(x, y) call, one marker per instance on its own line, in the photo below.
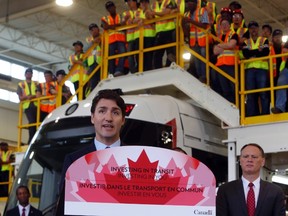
point(22, 186)
point(48, 72)
point(110, 95)
point(255, 145)
point(3, 144)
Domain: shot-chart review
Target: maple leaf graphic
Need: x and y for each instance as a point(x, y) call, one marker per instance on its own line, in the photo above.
point(144, 182)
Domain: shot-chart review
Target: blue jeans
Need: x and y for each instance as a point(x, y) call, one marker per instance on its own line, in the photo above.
point(200, 66)
point(117, 47)
point(257, 79)
point(281, 95)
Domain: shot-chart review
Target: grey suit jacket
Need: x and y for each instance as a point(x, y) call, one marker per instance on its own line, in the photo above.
point(230, 200)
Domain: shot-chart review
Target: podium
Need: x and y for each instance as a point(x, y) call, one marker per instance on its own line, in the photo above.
point(138, 180)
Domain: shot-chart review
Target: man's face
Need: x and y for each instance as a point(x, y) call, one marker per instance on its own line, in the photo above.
point(225, 26)
point(111, 9)
point(23, 196)
point(48, 77)
point(266, 32)
point(251, 160)
point(77, 48)
point(108, 120)
point(131, 4)
point(60, 77)
point(191, 5)
point(28, 75)
point(253, 30)
point(277, 39)
point(237, 18)
point(94, 32)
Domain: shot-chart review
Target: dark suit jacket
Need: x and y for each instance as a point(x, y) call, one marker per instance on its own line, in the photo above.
point(69, 159)
point(230, 200)
point(15, 212)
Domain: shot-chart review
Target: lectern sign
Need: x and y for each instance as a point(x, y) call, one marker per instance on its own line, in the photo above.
point(139, 180)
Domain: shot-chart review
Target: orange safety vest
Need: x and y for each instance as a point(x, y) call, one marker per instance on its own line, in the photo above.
point(48, 105)
point(114, 36)
point(201, 37)
point(228, 55)
point(274, 60)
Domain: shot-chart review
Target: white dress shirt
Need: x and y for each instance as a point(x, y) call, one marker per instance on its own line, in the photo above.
point(101, 146)
point(27, 209)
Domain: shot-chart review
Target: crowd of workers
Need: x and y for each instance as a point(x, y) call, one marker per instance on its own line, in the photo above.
point(237, 42)
point(229, 26)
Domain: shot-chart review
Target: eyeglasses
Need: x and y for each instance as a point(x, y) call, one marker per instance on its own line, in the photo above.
point(237, 15)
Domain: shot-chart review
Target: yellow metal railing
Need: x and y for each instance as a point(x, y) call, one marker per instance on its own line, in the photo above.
point(272, 88)
point(181, 47)
point(8, 183)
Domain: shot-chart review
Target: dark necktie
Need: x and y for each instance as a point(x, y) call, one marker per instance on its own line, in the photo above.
point(23, 212)
point(251, 200)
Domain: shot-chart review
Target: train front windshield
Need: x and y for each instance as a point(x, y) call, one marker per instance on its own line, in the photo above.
point(42, 166)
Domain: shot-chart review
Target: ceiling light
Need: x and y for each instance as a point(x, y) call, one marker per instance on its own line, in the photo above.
point(64, 3)
point(280, 179)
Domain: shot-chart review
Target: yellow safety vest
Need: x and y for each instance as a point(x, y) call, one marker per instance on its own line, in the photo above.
point(79, 68)
point(26, 91)
point(5, 157)
point(95, 54)
point(163, 25)
point(149, 29)
point(263, 64)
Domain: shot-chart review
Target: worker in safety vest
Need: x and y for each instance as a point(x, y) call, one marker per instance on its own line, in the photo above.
point(165, 31)
point(195, 18)
point(26, 91)
point(277, 48)
point(224, 13)
point(149, 33)
point(256, 72)
point(235, 5)
point(226, 59)
point(267, 32)
point(95, 57)
point(66, 93)
point(132, 34)
point(211, 10)
point(5, 168)
point(117, 39)
point(49, 88)
point(281, 94)
point(77, 64)
point(237, 27)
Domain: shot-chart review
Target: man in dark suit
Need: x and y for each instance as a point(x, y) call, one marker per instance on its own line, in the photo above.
point(23, 208)
point(108, 116)
point(233, 197)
